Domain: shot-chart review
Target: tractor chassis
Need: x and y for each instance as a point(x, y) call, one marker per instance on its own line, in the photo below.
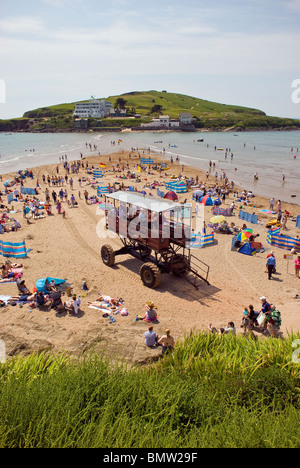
point(156, 262)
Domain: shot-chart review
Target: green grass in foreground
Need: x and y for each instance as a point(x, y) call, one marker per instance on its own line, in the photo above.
point(212, 392)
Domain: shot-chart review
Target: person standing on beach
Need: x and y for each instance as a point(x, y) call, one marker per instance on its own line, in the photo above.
point(271, 265)
point(284, 221)
point(58, 207)
point(279, 205)
point(272, 204)
point(265, 309)
point(297, 266)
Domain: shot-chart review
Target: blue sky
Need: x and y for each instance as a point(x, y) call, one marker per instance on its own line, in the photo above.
point(235, 52)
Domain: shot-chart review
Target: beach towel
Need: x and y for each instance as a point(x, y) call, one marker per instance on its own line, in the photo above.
point(105, 311)
point(5, 299)
point(17, 274)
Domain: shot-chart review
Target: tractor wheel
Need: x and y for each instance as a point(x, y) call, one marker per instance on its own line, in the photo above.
point(150, 275)
point(107, 255)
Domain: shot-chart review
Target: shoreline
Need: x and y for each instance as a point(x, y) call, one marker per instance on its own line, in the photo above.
point(156, 129)
point(70, 248)
point(241, 169)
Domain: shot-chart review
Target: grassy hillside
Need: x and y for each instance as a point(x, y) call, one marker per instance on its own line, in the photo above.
point(149, 104)
point(172, 104)
point(213, 391)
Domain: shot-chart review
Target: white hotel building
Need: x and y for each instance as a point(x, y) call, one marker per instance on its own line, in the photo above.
point(93, 108)
point(164, 121)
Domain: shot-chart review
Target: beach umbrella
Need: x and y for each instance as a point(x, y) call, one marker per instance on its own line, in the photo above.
point(171, 196)
point(244, 235)
point(198, 193)
point(217, 219)
point(6, 183)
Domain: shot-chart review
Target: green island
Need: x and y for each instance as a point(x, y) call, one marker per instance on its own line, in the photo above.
point(212, 391)
point(142, 106)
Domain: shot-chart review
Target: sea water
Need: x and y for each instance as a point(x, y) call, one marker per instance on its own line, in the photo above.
point(270, 155)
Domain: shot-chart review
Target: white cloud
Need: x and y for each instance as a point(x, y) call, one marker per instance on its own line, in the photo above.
point(79, 48)
point(21, 25)
point(118, 49)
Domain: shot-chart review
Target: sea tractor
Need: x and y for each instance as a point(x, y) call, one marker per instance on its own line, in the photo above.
point(157, 232)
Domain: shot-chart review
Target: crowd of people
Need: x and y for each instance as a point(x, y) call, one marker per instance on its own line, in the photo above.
point(267, 320)
point(59, 191)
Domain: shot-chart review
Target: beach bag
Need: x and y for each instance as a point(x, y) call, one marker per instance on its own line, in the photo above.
point(261, 319)
point(276, 318)
point(124, 311)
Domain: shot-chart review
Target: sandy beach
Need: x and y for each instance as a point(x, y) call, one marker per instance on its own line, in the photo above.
point(69, 247)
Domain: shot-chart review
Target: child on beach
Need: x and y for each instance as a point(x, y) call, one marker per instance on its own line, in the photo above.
point(246, 319)
point(151, 314)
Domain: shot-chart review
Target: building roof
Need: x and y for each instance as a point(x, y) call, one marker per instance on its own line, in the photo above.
point(157, 205)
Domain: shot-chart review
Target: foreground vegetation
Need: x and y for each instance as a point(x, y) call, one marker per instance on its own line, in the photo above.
point(149, 104)
point(213, 391)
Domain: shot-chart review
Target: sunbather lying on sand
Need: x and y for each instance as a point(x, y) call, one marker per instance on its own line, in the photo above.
point(6, 271)
point(106, 301)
